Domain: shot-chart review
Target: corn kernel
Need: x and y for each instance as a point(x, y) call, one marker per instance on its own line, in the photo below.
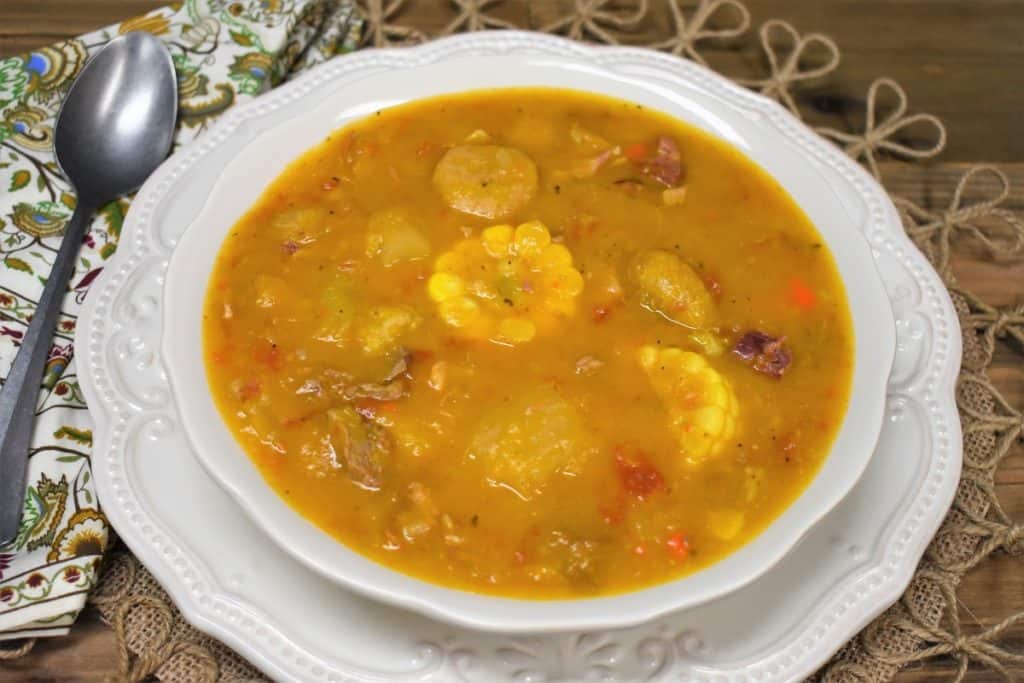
point(449, 262)
point(671, 358)
point(442, 286)
point(555, 256)
point(497, 239)
point(710, 419)
point(531, 238)
point(716, 394)
point(725, 523)
point(516, 330)
point(571, 283)
point(697, 452)
point(460, 311)
point(694, 363)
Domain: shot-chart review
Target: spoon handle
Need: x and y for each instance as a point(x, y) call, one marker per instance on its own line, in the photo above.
point(20, 393)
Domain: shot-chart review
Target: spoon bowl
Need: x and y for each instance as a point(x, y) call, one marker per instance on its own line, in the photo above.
point(117, 123)
point(115, 127)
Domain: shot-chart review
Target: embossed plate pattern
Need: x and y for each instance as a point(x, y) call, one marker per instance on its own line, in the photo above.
point(232, 581)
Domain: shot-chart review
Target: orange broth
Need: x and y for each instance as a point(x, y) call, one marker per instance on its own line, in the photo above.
point(530, 342)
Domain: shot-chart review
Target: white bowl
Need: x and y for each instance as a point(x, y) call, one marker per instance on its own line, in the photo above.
point(838, 196)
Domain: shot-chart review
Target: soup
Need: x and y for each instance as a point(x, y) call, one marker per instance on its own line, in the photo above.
point(530, 342)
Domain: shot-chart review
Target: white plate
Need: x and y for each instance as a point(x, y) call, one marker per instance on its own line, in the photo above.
point(230, 580)
point(836, 194)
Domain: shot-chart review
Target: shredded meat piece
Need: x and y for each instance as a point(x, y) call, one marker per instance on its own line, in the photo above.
point(563, 553)
point(362, 446)
point(586, 139)
point(588, 365)
point(673, 196)
point(419, 514)
point(391, 388)
point(438, 375)
point(666, 165)
point(310, 387)
point(400, 366)
point(588, 168)
point(631, 186)
point(389, 391)
point(764, 352)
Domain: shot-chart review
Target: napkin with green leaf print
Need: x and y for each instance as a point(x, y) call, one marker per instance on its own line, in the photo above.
point(225, 53)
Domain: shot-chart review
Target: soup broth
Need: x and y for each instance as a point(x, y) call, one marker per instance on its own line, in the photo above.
point(530, 342)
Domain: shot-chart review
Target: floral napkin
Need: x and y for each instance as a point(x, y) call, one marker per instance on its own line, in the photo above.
point(225, 53)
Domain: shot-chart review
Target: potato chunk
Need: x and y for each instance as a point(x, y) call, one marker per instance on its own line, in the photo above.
point(726, 523)
point(666, 285)
point(383, 327)
point(528, 441)
point(489, 181)
point(271, 291)
point(299, 224)
point(338, 301)
point(701, 404)
point(392, 236)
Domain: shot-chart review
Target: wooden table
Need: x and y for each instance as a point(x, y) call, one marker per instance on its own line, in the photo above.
point(962, 60)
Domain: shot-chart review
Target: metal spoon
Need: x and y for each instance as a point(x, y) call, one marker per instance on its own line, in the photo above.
point(114, 129)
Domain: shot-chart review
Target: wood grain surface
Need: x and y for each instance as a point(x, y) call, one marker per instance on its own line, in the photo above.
point(962, 60)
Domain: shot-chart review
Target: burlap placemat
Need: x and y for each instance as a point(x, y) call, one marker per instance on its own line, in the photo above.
point(925, 623)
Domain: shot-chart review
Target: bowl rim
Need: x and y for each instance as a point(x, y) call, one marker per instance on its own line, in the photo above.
point(321, 552)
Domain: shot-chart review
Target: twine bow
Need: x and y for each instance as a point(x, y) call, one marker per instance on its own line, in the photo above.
point(986, 411)
point(993, 528)
point(986, 324)
point(591, 19)
point(137, 664)
point(993, 534)
point(950, 641)
point(143, 625)
point(379, 31)
point(689, 32)
point(786, 70)
point(881, 135)
point(472, 17)
point(119, 573)
point(998, 230)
